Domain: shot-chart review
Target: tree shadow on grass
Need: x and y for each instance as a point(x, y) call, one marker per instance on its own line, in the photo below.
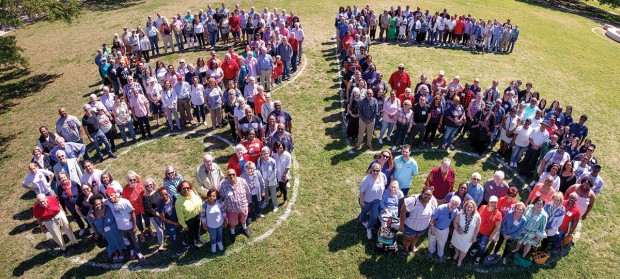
point(109, 5)
point(14, 91)
point(577, 8)
point(348, 234)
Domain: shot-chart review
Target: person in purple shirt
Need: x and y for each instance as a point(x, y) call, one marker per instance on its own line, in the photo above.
point(454, 118)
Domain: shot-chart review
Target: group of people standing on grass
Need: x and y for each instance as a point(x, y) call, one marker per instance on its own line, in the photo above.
point(359, 26)
point(477, 217)
point(233, 91)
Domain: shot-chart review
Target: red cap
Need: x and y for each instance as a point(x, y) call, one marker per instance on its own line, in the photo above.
point(179, 76)
point(109, 191)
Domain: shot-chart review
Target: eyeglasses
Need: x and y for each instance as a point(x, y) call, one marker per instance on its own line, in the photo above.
point(385, 156)
point(232, 174)
point(591, 150)
point(185, 188)
point(476, 179)
point(280, 129)
point(150, 185)
point(132, 180)
point(170, 172)
point(376, 171)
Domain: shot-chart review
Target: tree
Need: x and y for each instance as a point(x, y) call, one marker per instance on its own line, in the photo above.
point(611, 3)
point(12, 14)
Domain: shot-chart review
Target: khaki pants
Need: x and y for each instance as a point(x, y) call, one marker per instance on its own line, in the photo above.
point(168, 42)
point(185, 111)
point(365, 128)
point(216, 116)
point(265, 79)
point(54, 227)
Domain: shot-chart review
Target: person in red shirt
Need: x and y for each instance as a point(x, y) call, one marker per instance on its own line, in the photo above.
point(458, 31)
point(400, 80)
point(505, 204)
point(230, 69)
point(253, 145)
point(571, 218)
point(439, 83)
point(406, 96)
point(490, 222)
point(234, 56)
point(235, 26)
point(213, 59)
point(237, 161)
point(278, 69)
point(133, 192)
point(52, 218)
point(441, 179)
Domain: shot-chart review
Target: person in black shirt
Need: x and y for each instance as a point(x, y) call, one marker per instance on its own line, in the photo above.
point(421, 116)
point(95, 135)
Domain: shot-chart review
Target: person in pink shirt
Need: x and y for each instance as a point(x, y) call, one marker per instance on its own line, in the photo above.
point(390, 108)
point(139, 108)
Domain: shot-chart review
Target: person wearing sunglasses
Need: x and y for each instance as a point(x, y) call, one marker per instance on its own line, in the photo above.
point(371, 193)
point(126, 221)
point(281, 135)
point(151, 200)
point(595, 178)
point(133, 192)
point(187, 207)
point(172, 179)
point(235, 192)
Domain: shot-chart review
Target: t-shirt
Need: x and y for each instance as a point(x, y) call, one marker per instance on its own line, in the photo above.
point(419, 215)
point(373, 189)
point(69, 128)
point(46, 213)
point(254, 123)
point(282, 117)
point(91, 123)
point(93, 179)
point(488, 220)
point(443, 216)
point(420, 113)
point(504, 206)
point(168, 210)
point(39, 180)
point(436, 113)
point(571, 215)
point(399, 82)
point(523, 136)
point(537, 193)
point(122, 213)
point(404, 171)
point(456, 112)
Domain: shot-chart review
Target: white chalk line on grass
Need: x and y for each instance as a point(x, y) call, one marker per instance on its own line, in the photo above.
point(577, 233)
point(299, 73)
point(135, 266)
point(604, 37)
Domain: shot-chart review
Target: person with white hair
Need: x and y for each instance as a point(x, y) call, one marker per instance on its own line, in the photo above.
point(40, 179)
point(475, 189)
point(440, 226)
point(265, 68)
point(239, 159)
point(495, 186)
point(441, 179)
point(267, 167)
point(50, 216)
point(171, 180)
point(209, 175)
point(70, 166)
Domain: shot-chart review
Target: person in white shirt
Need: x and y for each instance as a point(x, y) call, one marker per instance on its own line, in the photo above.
point(520, 141)
point(40, 180)
point(537, 138)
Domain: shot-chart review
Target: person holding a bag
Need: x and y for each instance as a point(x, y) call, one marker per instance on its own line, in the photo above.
point(482, 128)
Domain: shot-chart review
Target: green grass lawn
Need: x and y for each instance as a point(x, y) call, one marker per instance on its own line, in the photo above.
point(556, 51)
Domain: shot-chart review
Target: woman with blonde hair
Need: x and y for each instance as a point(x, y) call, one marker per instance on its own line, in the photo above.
point(466, 227)
point(213, 96)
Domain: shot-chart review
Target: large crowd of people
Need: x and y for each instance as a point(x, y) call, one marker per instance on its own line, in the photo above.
point(120, 214)
point(358, 28)
point(401, 114)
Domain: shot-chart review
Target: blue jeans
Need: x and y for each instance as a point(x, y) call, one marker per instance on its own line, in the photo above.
point(511, 46)
point(175, 234)
point(215, 234)
point(254, 207)
point(399, 135)
point(154, 45)
point(371, 208)
point(412, 36)
point(199, 113)
point(294, 61)
point(448, 136)
point(482, 240)
point(286, 71)
point(98, 138)
point(129, 126)
point(440, 36)
point(385, 126)
point(213, 38)
point(431, 37)
point(517, 153)
point(179, 39)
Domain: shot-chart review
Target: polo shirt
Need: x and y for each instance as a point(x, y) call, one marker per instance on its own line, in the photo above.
point(46, 213)
point(443, 216)
point(539, 137)
point(404, 171)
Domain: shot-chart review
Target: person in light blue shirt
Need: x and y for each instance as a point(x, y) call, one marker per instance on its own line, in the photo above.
point(475, 189)
point(389, 202)
point(513, 224)
point(513, 39)
point(265, 68)
point(405, 168)
point(440, 226)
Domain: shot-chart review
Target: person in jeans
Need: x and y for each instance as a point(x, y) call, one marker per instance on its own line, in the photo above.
point(168, 215)
point(371, 193)
point(122, 117)
point(491, 220)
point(95, 135)
point(213, 219)
point(153, 34)
point(455, 117)
point(520, 141)
point(140, 111)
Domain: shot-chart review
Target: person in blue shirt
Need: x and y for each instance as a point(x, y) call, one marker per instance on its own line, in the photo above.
point(513, 39)
point(513, 224)
point(405, 168)
point(440, 226)
point(579, 129)
point(389, 202)
point(475, 189)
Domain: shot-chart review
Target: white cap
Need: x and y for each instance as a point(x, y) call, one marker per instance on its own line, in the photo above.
point(442, 73)
point(493, 199)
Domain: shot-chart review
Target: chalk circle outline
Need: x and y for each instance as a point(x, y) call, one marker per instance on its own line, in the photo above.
point(136, 266)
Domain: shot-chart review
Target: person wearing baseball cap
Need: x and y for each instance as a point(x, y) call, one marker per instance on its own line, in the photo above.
point(439, 83)
point(125, 217)
point(490, 222)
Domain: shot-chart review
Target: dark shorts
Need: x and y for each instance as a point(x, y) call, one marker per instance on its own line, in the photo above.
point(236, 34)
point(411, 232)
point(156, 109)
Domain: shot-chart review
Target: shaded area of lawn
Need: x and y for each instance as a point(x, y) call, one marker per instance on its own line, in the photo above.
point(17, 83)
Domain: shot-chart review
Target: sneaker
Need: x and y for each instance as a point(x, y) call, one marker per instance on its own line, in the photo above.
point(81, 233)
point(205, 123)
point(233, 238)
point(532, 183)
point(213, 249)
point(477, 261)
point(389, 139)
point(160, 248)
point(140, 257)
point(380, 142)
point(451, 146)
point(247, 233)
point(473, 252)
point(369, 234)
point(393, 148)
point(504, 260)
point(275, 209)
point(443, 146)
point(91, 231)
point(264, 205)
point(113, 155)
point(260, 216)
point(178, 253)
point(220, 246)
